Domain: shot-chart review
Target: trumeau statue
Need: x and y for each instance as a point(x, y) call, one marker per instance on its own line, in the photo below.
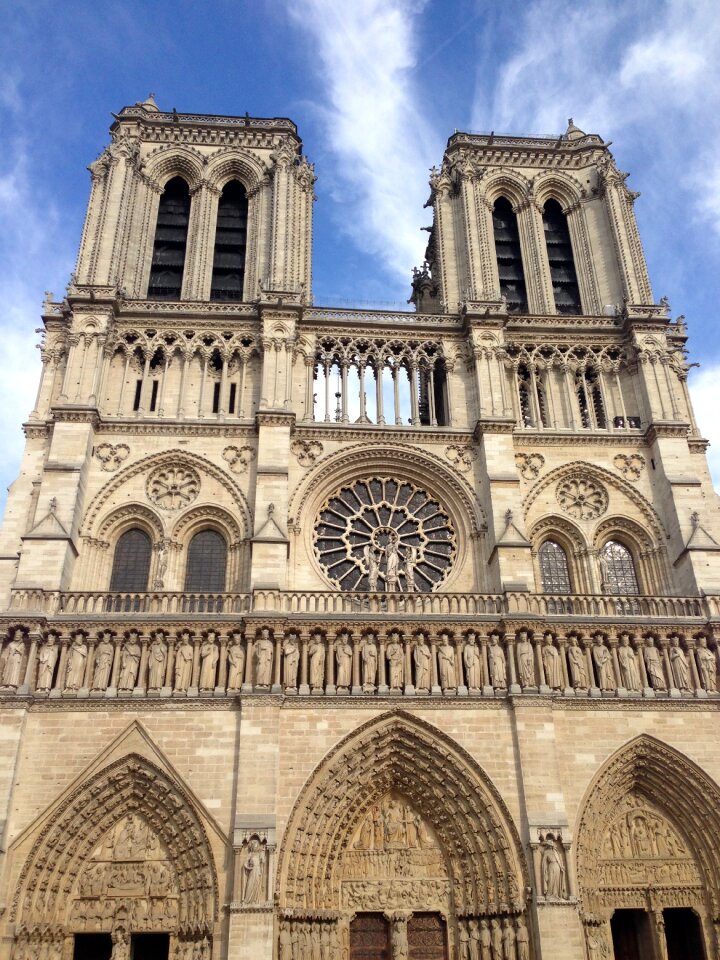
point(291, 652)
point(104, 656)
point(343, 659)
point(421, 657)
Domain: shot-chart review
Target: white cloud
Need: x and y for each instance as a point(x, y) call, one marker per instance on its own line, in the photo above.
point(374, 121)
point(704, 393)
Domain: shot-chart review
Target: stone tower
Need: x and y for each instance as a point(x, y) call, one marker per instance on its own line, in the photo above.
point(332, 633)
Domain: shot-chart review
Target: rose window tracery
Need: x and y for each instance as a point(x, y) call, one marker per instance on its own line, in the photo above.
point(582, 498)
point(382, 534)
point(173, 487)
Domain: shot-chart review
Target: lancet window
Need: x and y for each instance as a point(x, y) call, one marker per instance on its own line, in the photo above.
point(230, 243)
point(560, 258)
point(383, 382)
point(531, 397)
point(617, 569)
point(168, 259)
point(509, 257)
point(206, 563)
point(554, 571)
point(131, 562)
point(590, 398)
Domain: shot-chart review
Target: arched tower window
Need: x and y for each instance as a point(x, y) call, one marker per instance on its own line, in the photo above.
point(618, 570)
point(560, 257)
point(554, 571)
point(131, 562)
point(509, 258)
point(168, 260)
point(206, 563)
point(230, 242)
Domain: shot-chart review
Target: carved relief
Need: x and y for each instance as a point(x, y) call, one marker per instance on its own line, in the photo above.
point(529, 465)
point(582, 498)
point(238, 458)
point(630, 466)
point(462, 457)
point(173, 487)
point(111, 456)
point(306, 451)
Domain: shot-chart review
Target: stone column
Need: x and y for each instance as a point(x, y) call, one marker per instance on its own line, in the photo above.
point(222, 671)
point(304, 687)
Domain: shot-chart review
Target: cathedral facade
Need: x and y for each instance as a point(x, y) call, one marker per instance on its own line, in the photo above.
point(336, 634)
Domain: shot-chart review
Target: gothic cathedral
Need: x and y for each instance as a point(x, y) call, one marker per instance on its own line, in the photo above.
point(338, 634)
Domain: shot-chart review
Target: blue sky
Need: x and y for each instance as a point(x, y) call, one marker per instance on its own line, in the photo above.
point(376, 87)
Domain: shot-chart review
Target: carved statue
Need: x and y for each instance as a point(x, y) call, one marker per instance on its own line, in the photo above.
point(596, 943)
point(446, 663)
point(498, 667)
point(208, 662)
point(497, 939)
point(399, 940)
point(77, 661)
point(317, 661)
point(369, 656)
point(552, 664)
point(653, 665)
point(603, 665)
point(394, 654)
point(285, 942)
point(104, 655)
point(129, 662)
point(291, 652)
point(485, 941)
point(236, 663)
point(474, 932)
point(522, 939)
point(371, 563)
point(471, 660)
point(421, 658)
point(253, 873)
point(508, 937)
point(526, 664)
point(463, 941)
point(343, 659)
point(578, 665)
point(707, 666)
point(679, 665)
point(552, 870)
point(183, 663)
point(392, 566)
point(157, 661)
point(47, 658)
point(12, 672)
point(410, 562)
point(263, 659)
point(629, 673)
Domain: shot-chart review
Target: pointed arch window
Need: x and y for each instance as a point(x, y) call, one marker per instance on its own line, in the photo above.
point(509, 257)
point(168, 260)
point(206, 563)
point(560, 258)
point(131, 562)
point(230, 243)
point(554, 570)
point(617, 570)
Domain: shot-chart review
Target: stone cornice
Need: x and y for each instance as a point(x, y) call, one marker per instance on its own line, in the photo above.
point(380, 432)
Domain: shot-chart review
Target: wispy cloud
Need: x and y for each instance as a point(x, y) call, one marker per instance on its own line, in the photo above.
point(374, 121)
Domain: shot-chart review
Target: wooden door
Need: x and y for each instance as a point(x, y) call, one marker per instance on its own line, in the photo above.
point(370, 937)
point(427, 937)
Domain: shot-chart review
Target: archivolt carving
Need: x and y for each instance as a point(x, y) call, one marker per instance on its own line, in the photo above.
point(439, 797)
point(556, 186)
point(203, 516)
point(513, 186)
point(175, 458)
point(172, 161)
point(131, 515)
point(128, 812)
point(647, 829)
point(549, 527)
point(230, 163)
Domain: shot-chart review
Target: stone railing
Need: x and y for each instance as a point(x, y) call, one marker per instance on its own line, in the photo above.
point(345, 604)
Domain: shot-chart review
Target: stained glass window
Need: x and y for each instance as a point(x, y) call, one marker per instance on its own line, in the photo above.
point(206, 563)
point(131, 563)
point(554, 568)
point(617, 569)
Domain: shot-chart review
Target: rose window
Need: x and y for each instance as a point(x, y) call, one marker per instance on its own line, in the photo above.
point(173, 487)
point(381, 534)
point(582, 498)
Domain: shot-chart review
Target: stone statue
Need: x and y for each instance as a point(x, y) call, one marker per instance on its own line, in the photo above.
point(629, 673)
point(551, 663)
point(578, 664)
point(422, 659)
point(369, 654)
point(707, 666)
point(485, 941)
point(498, 667)
point(12, 671)
point(394, 654)
point(371, 565)
point(446, 663)
point(522, 939)
point(285, 942)
point(526, 664)
point(236, 663)
point(129, 662)
point(474, 931)
point(471, 660)
point(343, 659)
point(184, 663)
point(653, 665)
point(399, 940)
point(317, 661)
point(552, 870)
point(77, 661)
point(253, 873)
point(603, 665)
point(463, 941)
point(508, 937)
point(208, 661)
point(157, 660)
point(596, 943)
point(104, 656)
point(679, 665)
point(47, 658)
point(410, 562)
point(392, 567)
point(263, 659)
point(497, 939)
point(291, 652)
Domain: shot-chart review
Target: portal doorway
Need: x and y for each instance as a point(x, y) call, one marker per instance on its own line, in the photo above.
point(92, 946)
point(427, 937)
point(149, 946)
point(683, 934)
point(631, 935)
point(370, 937)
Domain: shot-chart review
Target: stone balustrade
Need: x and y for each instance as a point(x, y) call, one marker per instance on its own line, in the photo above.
point(304, 660)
